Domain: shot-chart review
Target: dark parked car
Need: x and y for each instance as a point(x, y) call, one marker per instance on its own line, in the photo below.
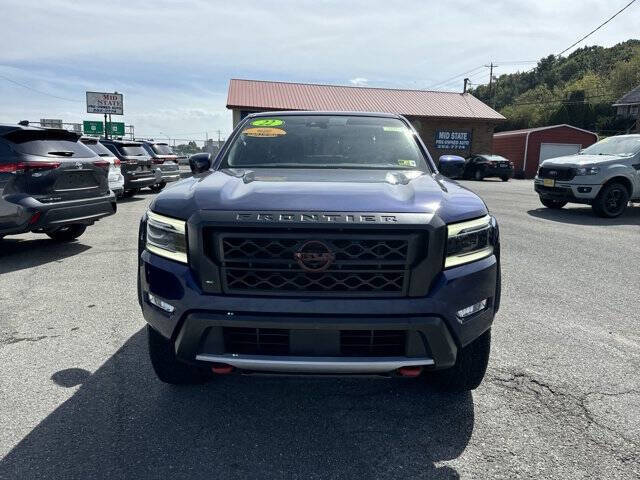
point(135, 164)
point(163, 160)
point(483, 166)
point(319, 243)
point(50, 183)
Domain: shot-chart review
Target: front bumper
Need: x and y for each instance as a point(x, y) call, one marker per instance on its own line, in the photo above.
point(434, 332)
point(54, 215)
point(569, 191)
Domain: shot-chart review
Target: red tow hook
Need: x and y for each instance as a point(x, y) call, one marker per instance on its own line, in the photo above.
point(221, 368)
point(410, 371)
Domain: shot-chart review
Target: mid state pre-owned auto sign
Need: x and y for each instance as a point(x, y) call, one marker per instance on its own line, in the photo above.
point(453, 139)
point(99, 102)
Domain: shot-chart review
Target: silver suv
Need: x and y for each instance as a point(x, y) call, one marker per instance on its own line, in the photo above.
point(605, 175)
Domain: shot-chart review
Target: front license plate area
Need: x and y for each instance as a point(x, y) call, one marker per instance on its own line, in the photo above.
point(549, 182)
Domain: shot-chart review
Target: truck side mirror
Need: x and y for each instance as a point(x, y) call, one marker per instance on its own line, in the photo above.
point(200, 162)
point(451, 166)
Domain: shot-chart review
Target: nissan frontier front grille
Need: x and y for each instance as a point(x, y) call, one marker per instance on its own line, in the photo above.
point(314, 263)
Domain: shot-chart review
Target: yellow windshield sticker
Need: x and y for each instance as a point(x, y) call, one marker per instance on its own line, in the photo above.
point(267, 122)
point(406, 163)
point(264, 132)
point(394, 129)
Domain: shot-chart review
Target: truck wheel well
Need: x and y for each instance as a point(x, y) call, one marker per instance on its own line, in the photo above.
point(623, 180)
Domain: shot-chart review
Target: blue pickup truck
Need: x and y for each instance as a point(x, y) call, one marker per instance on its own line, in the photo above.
point(319, 243)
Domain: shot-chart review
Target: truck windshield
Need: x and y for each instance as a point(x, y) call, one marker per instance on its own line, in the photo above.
point(623, 146)
point(325, 141)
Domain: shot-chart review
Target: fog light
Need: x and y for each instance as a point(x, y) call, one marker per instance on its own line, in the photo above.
point(161, 303)
point(475, 308)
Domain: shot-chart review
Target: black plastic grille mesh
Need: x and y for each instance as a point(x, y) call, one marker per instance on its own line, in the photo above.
point(561, 173)
point(353, 343)
point(266, 264)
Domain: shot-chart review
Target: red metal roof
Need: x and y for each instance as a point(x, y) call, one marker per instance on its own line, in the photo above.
point(262, 95)
point(525, 131)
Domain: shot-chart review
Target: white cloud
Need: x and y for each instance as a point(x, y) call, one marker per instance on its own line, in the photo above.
point(177, 57)
point(359, 81)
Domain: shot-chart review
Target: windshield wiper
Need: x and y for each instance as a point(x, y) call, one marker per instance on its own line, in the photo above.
point(62, 153)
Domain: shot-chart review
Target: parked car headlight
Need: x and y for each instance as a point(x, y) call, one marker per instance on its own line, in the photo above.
point(166, 237)
point(469, 241)
point(587, 171)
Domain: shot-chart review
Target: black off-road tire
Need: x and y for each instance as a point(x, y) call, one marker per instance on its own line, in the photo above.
point(554, 204)
point(167, 367)
point(469, 369)
point(612, 200)
point(157, 187)
point(67, 233)
point(505, 179)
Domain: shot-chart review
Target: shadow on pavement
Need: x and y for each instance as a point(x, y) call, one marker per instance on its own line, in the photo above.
point(17, 254)
point(123, 423)
point(585, 216)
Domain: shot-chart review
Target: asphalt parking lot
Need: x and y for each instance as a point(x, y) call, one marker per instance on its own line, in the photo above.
point(561, 399)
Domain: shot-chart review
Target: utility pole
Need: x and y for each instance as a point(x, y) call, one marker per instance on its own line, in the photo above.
point(466, 82)
point(491, 66)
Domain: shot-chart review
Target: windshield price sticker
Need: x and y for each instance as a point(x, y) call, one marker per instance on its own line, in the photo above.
point(395, 129)
point(264, 132)
point(406, 163)
point(267, 122)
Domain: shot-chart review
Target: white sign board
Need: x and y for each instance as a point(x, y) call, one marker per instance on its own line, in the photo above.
point(50, 123)
point(110, 103)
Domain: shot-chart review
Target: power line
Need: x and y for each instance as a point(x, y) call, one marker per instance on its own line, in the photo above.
point(598, 27)
point(444, 82)
point(38, 91)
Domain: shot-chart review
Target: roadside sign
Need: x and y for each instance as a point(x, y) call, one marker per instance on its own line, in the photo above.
point(453, 139)
point(93, 128)
point(115, 129)
point(107, 103)
point(50, 123)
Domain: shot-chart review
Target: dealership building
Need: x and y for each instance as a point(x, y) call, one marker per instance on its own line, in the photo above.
point(448, 122)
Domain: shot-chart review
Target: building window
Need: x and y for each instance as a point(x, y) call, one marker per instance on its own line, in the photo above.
point(633, 111)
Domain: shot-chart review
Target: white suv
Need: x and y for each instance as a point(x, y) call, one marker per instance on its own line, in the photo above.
point(116, 180)
point(605, 175)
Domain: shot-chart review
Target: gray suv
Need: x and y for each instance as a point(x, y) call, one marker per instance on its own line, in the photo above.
point(605, 175)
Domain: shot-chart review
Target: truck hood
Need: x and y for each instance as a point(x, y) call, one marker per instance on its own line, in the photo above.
point(582, 160)
point(320, 190)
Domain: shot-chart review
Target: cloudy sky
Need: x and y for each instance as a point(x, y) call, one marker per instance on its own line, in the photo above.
point(173, 59)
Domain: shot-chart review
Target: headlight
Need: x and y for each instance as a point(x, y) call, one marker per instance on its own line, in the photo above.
point(166, 237)
point(587, 171)
point(468, 241)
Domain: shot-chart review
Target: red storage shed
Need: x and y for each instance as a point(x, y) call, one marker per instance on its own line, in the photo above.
point(530, 147)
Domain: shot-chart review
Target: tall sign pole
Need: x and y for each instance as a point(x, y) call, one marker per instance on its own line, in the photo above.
point(106, 131)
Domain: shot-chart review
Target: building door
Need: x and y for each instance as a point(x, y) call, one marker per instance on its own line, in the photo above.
point(553, 150)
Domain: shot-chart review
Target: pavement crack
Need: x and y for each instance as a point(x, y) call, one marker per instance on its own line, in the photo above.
point(12, 339)
point(564, 404)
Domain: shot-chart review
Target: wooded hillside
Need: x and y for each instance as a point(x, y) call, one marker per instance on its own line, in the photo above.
point(577, 89)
